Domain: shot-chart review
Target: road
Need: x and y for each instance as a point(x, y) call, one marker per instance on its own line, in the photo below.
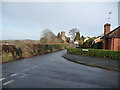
point(53, 71)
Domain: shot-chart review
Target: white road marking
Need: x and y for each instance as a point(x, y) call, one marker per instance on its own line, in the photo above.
point(8, 82)
point(25, 70)
point(2, 79)
point(14, 74)
point(34, 66)
point(24, 75)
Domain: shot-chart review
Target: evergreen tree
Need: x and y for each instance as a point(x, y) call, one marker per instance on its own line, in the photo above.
point(59, 39)
point(59, 36)
point(82, 38)
point(77, 37)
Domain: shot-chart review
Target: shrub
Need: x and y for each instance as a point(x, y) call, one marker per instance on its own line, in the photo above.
point(12, 52)
point(111, 54)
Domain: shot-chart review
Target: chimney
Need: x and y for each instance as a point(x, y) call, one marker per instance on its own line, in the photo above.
point(106, 28)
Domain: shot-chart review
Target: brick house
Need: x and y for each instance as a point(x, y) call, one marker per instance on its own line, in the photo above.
point(111, 39)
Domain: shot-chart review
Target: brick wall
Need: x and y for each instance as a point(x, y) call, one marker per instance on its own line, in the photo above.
point(116, 44)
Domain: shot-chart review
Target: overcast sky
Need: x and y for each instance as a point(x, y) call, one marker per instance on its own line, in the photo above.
point(26, 20)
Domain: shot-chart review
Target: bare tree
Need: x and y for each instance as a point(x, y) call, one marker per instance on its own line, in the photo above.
point(72, 33)
point(47, 36)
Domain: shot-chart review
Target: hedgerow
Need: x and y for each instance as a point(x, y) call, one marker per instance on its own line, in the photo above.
point(12, 52)
point(111, 54)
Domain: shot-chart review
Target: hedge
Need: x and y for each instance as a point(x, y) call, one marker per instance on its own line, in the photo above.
point(12, 52)
point(111, 54)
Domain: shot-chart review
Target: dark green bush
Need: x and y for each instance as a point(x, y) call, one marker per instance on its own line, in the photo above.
point(96, 52)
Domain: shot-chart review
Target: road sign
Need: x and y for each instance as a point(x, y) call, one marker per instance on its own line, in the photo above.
point(86, 50)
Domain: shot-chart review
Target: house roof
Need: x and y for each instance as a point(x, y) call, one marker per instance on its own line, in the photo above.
point(113, 34)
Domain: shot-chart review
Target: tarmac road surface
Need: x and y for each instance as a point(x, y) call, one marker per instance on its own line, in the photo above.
point(53, 71)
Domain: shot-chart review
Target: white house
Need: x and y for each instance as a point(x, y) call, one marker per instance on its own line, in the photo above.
point(76, 42)
point(86, 38)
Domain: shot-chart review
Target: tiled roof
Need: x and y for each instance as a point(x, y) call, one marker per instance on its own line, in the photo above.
point(113, 34)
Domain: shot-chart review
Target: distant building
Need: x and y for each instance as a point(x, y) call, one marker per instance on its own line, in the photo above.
point(63, 36)
point(86, 38)
point(76, 42)
point(111, 39)
point(97, 40)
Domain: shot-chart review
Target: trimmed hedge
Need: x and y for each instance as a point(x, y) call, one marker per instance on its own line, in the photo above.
point(111, 54)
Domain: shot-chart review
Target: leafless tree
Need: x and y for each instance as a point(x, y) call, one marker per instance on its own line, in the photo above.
point(47, 36)
point(72, 33)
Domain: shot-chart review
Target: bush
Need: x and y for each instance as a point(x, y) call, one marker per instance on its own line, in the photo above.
point(12, 52)
point(96, 52)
